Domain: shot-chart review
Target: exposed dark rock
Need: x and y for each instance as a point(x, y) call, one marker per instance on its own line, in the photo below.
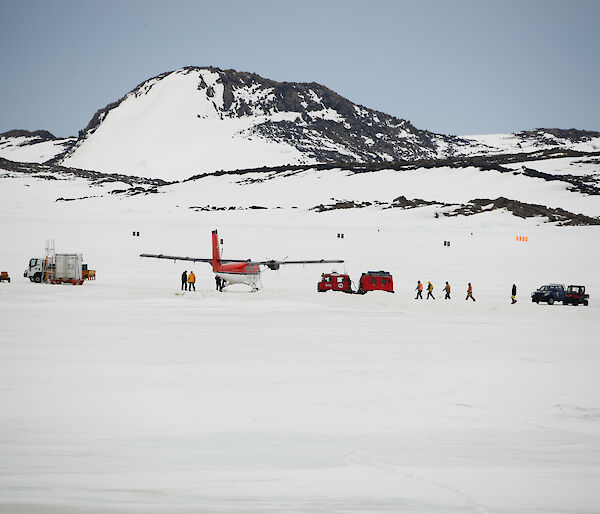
point(73, 199)
point(477, 206)
point(577, 183)
point(41, 135)
point(230, 208)
point(573, 135)
point(403, 203)
point(30, 168)
point(341, 204)
point(581, 184)
point(46, 176)
point(523, 210)
point(133, 191)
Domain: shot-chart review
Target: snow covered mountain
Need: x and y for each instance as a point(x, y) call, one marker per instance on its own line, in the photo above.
point(197, 120)
point(38, 146)
point(202, 119)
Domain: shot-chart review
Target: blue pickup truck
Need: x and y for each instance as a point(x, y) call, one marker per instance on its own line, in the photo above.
point(549, 293)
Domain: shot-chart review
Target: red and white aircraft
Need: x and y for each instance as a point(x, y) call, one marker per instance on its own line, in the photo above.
point(236, 271)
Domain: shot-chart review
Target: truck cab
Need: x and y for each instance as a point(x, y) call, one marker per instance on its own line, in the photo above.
point(35, 270)
point(549, 293)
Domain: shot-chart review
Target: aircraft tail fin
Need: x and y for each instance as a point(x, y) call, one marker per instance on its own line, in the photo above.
point(216, 255)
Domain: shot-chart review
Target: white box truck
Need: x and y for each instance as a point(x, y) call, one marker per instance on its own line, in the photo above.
point(62, 268)
point(67, 266)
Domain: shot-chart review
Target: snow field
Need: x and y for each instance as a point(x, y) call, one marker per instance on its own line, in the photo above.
point(124, 395)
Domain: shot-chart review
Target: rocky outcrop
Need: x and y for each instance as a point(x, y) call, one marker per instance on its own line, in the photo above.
point(478, 206)
point(53, 172)
point(37, 135)
point(523, 210)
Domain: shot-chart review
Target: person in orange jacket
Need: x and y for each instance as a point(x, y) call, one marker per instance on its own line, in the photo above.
point(419, 290)
point(470, 292)
point(191, 281)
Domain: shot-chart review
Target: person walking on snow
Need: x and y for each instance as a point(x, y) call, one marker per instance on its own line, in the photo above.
point(430, 290)
point(184, 281)
point(470, 292)
point(192, 281)
point(514, 294)
point(419, 290)
point(447, 289)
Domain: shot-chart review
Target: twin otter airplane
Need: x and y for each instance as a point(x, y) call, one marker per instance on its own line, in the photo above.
point(235, 271)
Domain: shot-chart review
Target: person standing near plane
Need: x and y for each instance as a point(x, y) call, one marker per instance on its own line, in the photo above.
point(430, 290)
point(218, 282)
point(470, 292)
point(184, 281)
point(419, 290)
point(514, 294)
point(447, 289)
point(191, 281)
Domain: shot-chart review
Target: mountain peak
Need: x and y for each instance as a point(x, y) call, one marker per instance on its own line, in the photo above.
point(201, 119)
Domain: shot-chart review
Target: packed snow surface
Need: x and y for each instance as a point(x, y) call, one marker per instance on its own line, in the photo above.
point(128, 395)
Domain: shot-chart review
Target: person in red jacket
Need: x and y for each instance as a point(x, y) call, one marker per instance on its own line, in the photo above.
point(419, 290)
point(470, 292)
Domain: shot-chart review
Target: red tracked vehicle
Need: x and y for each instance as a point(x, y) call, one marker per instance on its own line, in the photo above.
point(370, 281)
point(376, 281)
point(334, 282)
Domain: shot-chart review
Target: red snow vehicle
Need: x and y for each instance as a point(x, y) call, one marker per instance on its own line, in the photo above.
point(376, 281)
point(334, 282)
point(576, 295)
point(370, 281)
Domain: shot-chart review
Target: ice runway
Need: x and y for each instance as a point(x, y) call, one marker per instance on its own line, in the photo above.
point(272, 402)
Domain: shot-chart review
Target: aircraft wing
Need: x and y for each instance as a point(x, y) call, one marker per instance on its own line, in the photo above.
point(274, 265)
point(178, 258)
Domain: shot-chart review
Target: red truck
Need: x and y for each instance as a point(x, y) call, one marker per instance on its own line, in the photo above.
point(334, 282)
point(370, 281)
point(575, 295)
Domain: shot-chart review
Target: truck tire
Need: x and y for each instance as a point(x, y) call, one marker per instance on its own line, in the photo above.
point(37, 278)
point(551, 300)
point(585, 303)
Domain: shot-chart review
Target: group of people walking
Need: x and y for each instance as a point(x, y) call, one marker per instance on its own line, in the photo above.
point(447, 289)
point(188, 281)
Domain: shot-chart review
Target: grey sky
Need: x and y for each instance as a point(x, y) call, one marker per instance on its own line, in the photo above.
point(461, 67)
